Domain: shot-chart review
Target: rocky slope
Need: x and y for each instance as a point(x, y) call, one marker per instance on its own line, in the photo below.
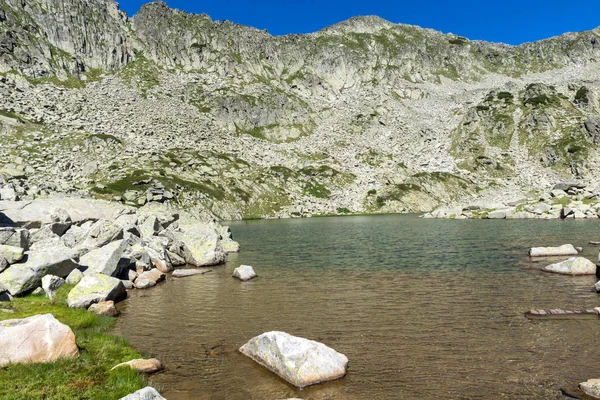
point(364, 116)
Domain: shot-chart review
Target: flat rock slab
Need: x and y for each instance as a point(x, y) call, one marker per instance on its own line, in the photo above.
point(301, 362)
point(147, 393)
point(37, 212)
point(147, 366)
point(564, 250)
point(39, 339)
point(558, 313)
point(182, 273)
point(94, 289)
point(572, 266)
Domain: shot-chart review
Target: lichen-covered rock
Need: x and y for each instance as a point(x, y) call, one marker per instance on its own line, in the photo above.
point(572, 266)
point(564, 250)
point(300, 361)
point(202, 245)
point(17, 237)
point(39, 339)
point(23, 277)
point(12, 254)
point(74, 277)
point(244, 272)
point(104, 260)
point(94, 289)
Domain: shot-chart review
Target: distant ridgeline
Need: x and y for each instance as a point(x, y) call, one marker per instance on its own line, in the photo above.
point(363, 116)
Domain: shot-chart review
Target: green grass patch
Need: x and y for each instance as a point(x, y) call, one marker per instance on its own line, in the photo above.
point(317, 190)
point(87, 377)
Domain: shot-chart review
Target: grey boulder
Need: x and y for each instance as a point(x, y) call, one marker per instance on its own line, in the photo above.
point(74, 277)
point(12, 254)
point(202, 245)
point(147, 393)
point(572, 266)
point(300, 361)
point(94, 289)
point(104, 260)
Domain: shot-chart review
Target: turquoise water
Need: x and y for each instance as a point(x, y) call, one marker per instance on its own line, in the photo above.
point(422, 308)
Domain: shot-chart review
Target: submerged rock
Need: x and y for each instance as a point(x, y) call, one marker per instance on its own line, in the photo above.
point(244, 272)
point(40, 339)
point(564, 250)
point(147, 366)
point(182, 273)
point(94, 289)
point(572, 266)
point(301, 362)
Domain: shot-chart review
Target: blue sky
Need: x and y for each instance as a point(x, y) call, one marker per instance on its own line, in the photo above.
point(506, 21)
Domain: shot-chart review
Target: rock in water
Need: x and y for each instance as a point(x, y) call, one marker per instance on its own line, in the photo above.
point(104, 308)
point(564, 250)
point(41, 338)
point(148, 366)
point(20, 278)
point(50, 284)
point(182, 273)
point(572, 266)
point(591, 387)
point(244, 272)
point(301, 362)
point(147, 393)
point(94, 289)
point(104, 260)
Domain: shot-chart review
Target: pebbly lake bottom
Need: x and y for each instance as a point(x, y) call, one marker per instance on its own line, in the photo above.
point(422, 308)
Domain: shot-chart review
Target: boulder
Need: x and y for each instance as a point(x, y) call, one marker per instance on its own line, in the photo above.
point(147, 393)
point(149, 278)
point(50, 284)
point(14, 237)
point(202, 245)
point(5, 294)
point(244, 272)
point(572, 266)
point(94, 289)
point(104, 308)
point(568, 185)
point(147, 366)
point(74, 277)
point(104, 260)
point(39, 339)
point(23, 277)
point(99, 234)
point(149, 227)
point(500, 214)
point(3, 264)
point(182, 273)
point(591, 388)
point(564, 250)
point(12, 254)
point(301, 362)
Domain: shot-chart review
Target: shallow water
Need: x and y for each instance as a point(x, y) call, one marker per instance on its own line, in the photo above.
point(422, 308)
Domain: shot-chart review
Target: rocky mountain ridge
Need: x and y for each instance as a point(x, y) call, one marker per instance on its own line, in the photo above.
point(363, 116)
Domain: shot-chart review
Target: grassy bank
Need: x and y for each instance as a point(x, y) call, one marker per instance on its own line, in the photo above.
point(89, 376)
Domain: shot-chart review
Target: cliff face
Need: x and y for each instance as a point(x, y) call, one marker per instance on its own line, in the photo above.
point(365, 115)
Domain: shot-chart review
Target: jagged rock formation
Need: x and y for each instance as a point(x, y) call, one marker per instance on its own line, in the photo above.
point(363, 116)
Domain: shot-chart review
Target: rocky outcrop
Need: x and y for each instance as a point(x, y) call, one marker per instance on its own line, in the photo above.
point(572, 266)
point(301, 362)
point(37, 339)
point(94, 289)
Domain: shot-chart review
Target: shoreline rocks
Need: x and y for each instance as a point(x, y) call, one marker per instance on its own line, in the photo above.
point(299, 361)
point(146, 366)
point(572, 266)
point(564, 250)
point(94, 289)
point(244, 273)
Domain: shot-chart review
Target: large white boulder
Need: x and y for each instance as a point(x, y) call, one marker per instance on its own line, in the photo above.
point(202, 245)
point(591, 387)
point(104, 260)
point(564, 250)
point(94, 289)
point(23, 277)
point(39, 339)
point(572, 266)
point(301, 362)
point(147, 393)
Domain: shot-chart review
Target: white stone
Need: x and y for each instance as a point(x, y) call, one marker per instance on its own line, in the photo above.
point(244, 272)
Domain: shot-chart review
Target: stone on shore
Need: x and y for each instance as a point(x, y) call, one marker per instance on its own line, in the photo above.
point(104, 260)
point(300, 361)
point(23, 277)
point(12, 254)
point(147, 393)
point(202, 245)
point(244, 272)
point(564, 250)
point(50, 284)
point(74, 277)
point(182, 273)
point(104, 308)
point(14, 237)
point(39, 339)
point(591, 388)
point(94, 289)
point(147, 366)
point(148, 279)
point(572, 266)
